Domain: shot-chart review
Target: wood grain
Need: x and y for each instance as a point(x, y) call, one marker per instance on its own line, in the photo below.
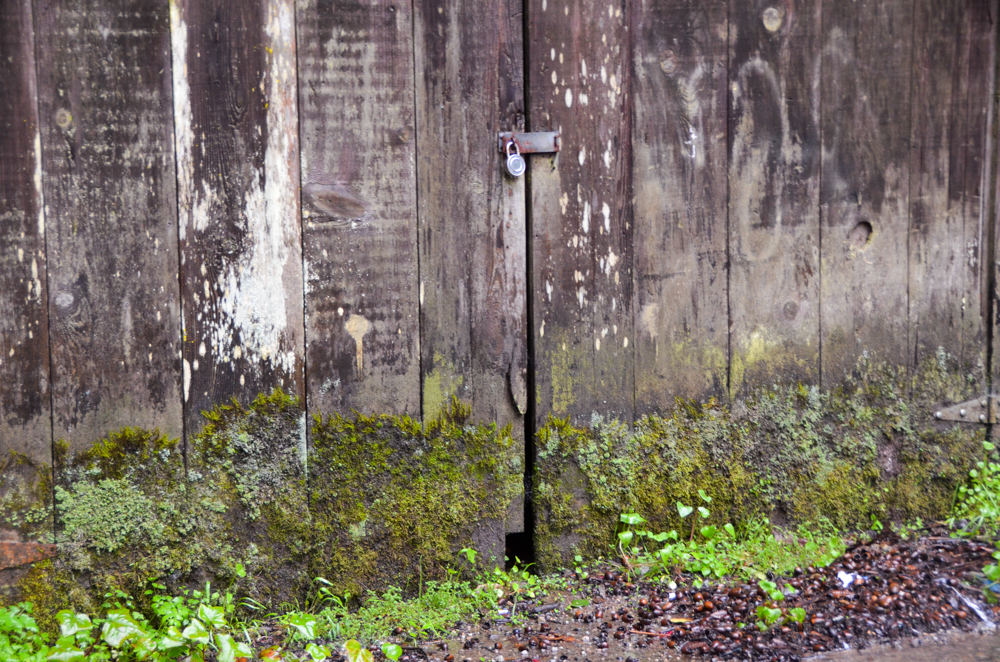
point(25, 404)
point(25, 401)
point(774, 161)
point(104, 98)
point(359, 205)
point(680, 188)
point(579, 71)
point(472, 234)
point(866, 96)
point(238, 181)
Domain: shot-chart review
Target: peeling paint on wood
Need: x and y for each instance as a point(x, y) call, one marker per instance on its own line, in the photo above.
point(680, 175)
point(235, 104)
point(360, 240)
point(25, 402)
point(104, 102)
point(774, 160)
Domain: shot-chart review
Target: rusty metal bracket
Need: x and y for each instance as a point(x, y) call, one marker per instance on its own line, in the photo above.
point(530, 143)
point(981, 410)
point(16, 554)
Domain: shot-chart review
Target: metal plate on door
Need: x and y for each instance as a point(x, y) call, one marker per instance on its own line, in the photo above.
point(537, 142)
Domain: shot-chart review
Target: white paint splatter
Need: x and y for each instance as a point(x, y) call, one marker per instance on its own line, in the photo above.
point(569, 98)
point(604, 74)
point(186, 370)
point(582, 156)
point(597, 344)
point(606, 211)
point(583, 68)
point(38, 183)
point(584, 99)
point(548, 289)
point(585, 223)
point(555, 77)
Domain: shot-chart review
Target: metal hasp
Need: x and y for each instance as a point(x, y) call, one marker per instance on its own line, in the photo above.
point(981, 410)
point(16, 554)
point(530, 143)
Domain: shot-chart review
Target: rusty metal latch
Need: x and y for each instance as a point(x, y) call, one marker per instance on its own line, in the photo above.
point(16, 554)
point(537, 142)
point(981, 410)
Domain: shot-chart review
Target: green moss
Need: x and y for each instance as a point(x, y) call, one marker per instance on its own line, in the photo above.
point(50, 590)
point(868, 448)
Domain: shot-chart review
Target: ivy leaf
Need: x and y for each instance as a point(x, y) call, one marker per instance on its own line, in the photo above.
point(119, 627)
point(320, 653)
point(391, 651)
point(230, 649)
point(353, 647)
point(172, 639)
point(64, 652)
point(195, 632)
point(214, 617)
point(304, 624)
point(71, 623)
point(683, 510)
point(631, 519)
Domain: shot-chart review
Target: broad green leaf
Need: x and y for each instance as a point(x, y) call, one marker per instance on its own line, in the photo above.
point(64, 652)
point(196, 632)
point(213, 617)
point(320, 653)
point(767, 586)
point(70, 623)
point(626, 536)
point(704, 512)
point(241, 572)
point(729, 529)
point(709, 532)
point(683, 510)
point(230, 649)
point(119, 627)
point(797, 614)
point(391, 651)
point(582, 602)
point(353, 647)
point(992, 572)
point(988, 446)
point(704, 497)
point(144, 647)
point(172, 639)
point(632, 518)
point(659, 537)
point(305, 624)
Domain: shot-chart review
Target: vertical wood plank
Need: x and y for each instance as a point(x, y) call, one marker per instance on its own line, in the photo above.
point(579, 71)
point(951, 79)
point(472, 227)
point(238, 179)
point(774, 160)
point(106, 135)
point(866, 96)
point(680, 175)
point(359, 205)
point(473, 242)
point(25, 401)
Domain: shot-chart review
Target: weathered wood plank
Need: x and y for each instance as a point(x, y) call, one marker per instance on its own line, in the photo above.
point(774, 159)
point(951, 78)
point(104, 99)
point(680, 179)
point(472, 236)
point(359, 205)
point(25, 401)
point(238, 182)
point(579, 68)
point(865, 101)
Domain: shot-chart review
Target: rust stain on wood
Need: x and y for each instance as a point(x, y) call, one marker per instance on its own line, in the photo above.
point(16, 554)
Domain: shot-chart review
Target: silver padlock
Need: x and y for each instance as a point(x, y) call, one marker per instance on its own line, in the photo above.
point(515, 164)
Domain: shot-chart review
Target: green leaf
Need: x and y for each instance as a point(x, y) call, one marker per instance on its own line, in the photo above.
point(470, 554)
point(119, 627)
point(797, 614)
point(704, 512)
point(992, 572)
point(659, 537)
point(172, 639)
point(626, 537)
point(70, 623)
point(729, 529)
point(391, 651)
point(305, 624)
point(64, 652)
point(582, 602)
point(988, 446)
point(195, 632)
point(632, 519)
point(767, 586)
point(683, 510)
point(704, 497)
point(213, 617)
point(709, 532)
point(320, 653)
point(241, 572)
point(230, 649)
point(353, 647)
point(144, 647)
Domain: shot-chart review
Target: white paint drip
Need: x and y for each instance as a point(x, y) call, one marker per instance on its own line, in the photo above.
point(585, 224)
point(606, 211)
point(357, 326)
point(186, 369)
point(582, 156)
point(38, 184)
point(569, 98)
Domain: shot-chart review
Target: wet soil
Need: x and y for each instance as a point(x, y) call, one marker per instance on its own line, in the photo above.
point(886, 598)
